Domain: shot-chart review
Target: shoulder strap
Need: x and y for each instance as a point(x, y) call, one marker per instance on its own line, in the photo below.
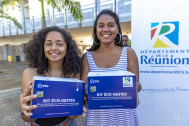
point(90, 59)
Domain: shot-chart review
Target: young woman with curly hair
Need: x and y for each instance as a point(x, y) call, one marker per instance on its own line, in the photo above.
point(52, 52)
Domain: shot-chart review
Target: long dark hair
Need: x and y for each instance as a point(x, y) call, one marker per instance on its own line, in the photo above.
point(118, 38)
point(35, 55)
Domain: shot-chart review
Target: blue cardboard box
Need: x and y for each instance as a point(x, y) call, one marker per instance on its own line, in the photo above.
point(112, 90)
point(57, 97)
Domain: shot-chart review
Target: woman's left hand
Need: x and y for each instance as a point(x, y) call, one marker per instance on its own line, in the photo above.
point(84, 111)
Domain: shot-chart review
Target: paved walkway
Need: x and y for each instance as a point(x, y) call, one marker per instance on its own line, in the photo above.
point(11, 74)
point(10, 80)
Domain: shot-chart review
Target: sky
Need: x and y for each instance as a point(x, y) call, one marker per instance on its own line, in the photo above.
point(85, 2)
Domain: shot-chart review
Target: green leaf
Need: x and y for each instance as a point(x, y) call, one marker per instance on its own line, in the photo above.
point(13, 19)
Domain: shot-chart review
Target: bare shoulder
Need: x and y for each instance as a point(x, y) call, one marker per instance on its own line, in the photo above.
point(85, 64)
point(84, 68)
point(132, 60)
point(131, 51)
point(84, 59)
point(131, 54)
point(30, 71)
point(27, 76)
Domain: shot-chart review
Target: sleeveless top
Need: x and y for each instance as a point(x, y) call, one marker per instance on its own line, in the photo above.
point(110, 117)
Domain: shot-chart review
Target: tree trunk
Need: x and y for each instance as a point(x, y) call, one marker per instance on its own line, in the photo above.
point(43, 15)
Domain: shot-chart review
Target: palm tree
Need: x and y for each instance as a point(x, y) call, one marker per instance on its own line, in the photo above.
point(43, 15)
point(4, 15)
point(72, 6)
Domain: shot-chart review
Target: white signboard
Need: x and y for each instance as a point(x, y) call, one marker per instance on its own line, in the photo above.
point(160, 37)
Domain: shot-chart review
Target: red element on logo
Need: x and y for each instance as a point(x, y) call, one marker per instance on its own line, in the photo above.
point(153, 32)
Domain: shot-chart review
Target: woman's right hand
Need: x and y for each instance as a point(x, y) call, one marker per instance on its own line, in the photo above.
point(85, 106)
point(84, 111)
point(25, 99)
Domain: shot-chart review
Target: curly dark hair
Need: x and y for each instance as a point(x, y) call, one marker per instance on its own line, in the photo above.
point(35, 55)
point(118, 38)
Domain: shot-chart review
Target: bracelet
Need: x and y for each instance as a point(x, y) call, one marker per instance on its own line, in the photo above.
point(21, 112)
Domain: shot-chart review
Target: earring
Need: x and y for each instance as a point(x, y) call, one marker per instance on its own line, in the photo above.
point(94, 40)
point(119, 39)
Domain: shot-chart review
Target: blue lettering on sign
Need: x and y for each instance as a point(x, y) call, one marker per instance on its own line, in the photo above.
point(158, 60)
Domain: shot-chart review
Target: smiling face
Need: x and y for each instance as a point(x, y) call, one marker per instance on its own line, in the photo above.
point(125, 41)
point(106, 29)
point(54, 46)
